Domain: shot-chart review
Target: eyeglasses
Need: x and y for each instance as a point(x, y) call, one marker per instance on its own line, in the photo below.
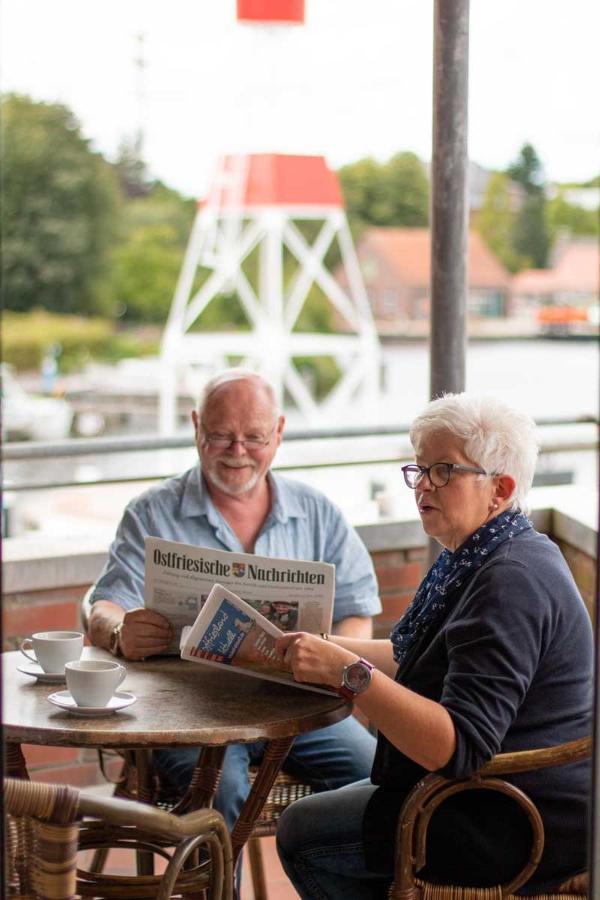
point(438, 474)
point(226, 441)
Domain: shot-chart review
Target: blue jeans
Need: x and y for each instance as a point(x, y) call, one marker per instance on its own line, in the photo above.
point(326, 759)
point(319, 840)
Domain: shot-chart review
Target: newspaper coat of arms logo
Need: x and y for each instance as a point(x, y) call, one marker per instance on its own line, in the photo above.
point(238, 569)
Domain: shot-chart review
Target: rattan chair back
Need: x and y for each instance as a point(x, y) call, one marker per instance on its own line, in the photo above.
point(48, 825)
point(428, 794)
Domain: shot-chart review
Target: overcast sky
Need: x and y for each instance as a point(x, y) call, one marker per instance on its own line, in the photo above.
point(354, 81)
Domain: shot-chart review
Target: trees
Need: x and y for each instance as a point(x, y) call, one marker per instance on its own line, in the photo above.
point(513, 219)
point(530, 231)
point(155, 230)
point(496, 220)
point(569, 217)
point(391, 193)
point(61, 204)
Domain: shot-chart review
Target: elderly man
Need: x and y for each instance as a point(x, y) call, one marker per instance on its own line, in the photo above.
point(233, 501)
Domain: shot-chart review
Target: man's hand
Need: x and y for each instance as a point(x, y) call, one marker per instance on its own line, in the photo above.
point(144, 633)
point(312, 659)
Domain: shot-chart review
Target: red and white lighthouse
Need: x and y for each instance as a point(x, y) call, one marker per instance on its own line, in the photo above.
point(248, 234)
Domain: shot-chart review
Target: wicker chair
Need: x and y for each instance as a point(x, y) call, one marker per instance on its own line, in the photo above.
point(46, 826)
point(429, 793)
point(285, 790)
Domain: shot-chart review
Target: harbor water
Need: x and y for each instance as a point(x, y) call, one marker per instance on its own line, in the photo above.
point(551, 379)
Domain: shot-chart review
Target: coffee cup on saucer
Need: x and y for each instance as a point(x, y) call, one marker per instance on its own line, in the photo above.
point(53, 649)
point(92, 682)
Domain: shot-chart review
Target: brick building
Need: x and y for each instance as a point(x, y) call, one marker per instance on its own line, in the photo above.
point(395, 264)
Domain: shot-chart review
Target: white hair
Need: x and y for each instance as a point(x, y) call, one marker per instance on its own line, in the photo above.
point(495, 436)
point(237, 373)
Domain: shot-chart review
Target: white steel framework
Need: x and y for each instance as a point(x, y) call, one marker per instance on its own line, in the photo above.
point(224, 234)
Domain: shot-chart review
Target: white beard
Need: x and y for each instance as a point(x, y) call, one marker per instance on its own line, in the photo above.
point(225, 486)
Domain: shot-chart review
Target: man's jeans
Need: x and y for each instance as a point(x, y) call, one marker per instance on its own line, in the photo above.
point(319, 840)
point(326, 759)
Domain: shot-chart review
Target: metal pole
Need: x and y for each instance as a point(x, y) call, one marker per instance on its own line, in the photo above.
point(449, 206)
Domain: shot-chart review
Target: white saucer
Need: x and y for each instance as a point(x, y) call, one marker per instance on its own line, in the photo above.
point(36, 671)
point(119, 700)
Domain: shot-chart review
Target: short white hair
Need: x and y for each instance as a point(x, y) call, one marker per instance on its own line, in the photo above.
point(493, 435)
point(237, 373)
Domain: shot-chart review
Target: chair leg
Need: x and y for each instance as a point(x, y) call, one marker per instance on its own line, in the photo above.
point(99, 860)
point(257, 868)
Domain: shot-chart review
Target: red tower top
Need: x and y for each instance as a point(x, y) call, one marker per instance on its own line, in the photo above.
point(275, 179)
point(271, 11)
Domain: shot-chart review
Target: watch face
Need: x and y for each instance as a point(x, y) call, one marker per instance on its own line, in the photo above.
point(357, 677)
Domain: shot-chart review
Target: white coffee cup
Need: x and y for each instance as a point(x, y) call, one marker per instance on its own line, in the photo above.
point(53, 649)
point(92, 682)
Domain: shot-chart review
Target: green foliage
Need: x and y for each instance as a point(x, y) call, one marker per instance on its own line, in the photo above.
point(61, 204)
point(224, 313)
point(317, 313)
point(530, 233)
point(496, 219)
point(392, 193)
point(320, 372)
point(530, 239)
point(131, 169)
point(26, 338)
point(147, 263)
point(564, 216)
point(527, 170)
point(513, 219)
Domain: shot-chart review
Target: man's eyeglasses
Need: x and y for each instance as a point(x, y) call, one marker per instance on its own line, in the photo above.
point(226, 441)
point(438, 474)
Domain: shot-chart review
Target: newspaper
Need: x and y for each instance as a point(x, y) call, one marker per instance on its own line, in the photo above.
point(294, 595)
point(230, 632)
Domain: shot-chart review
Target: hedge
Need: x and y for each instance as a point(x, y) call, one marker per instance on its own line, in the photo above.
point(28, 337)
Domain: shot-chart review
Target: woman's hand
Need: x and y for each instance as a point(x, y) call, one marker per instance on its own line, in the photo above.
point(312, 659)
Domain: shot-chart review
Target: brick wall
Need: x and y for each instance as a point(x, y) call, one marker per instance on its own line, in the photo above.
point(585, 572)
point(25, 612)
point(399, 573)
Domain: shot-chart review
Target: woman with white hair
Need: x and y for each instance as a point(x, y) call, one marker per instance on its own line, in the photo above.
point(494, 654)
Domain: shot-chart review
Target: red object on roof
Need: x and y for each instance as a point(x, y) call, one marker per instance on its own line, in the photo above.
point(274, 179)
point(270, 11)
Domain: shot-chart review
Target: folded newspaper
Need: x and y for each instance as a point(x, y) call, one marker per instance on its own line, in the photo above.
point(293, 594)
point(230, 632)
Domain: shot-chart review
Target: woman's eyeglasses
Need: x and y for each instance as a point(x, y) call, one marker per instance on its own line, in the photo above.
point(438, 474)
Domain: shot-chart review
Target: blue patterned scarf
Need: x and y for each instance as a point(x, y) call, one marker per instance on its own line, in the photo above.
point(441, 586)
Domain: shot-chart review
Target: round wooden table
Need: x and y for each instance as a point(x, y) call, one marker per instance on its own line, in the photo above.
point(178, 704)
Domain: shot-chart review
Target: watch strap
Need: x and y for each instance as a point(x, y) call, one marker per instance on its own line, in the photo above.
point(115, 639)
point(345, 690)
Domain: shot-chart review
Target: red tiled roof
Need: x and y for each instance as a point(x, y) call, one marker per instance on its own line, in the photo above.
point(578, 267)
point(533, 281)
point(576, 270)
point(407, 251)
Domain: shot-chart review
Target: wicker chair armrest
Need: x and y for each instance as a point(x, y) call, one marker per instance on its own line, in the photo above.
point(524, 760)
point(202, 827)
point(431, 791)
point(113, 810)
point(49, 802)
point(424, 800)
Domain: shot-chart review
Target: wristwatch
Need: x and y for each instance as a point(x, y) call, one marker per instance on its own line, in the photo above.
point(356, 678)
point(115, 639)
